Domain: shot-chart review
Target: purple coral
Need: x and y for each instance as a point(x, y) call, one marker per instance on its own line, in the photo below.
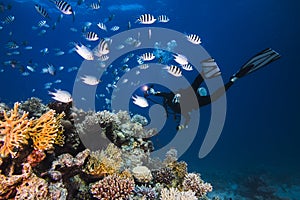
point(112, 187)
point(145, 192)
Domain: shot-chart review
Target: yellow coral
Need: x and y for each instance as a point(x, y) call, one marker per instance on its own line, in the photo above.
point(102, 163)
point(47, 131)
point(13, 132)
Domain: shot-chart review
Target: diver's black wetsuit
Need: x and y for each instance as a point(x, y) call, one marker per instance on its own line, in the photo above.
point(186, 101)
point(186, 95)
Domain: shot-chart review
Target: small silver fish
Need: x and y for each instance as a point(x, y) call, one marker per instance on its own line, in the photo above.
point(51, 69)
point(115, 28)
point(59, 53)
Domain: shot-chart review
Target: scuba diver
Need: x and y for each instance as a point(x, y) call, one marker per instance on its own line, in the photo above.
point(173, 102)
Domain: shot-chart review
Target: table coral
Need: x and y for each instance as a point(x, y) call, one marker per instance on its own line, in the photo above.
point(13, 132)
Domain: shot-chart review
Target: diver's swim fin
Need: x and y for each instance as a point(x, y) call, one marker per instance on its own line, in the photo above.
point(258, 61)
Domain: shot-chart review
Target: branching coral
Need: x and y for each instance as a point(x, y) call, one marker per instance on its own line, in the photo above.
point(106, 162)
point(13, 132)
point(112, 187)
point(180, 171)
point(34, 107)
point(164, 176)
point(144, 192)
point(175, 194)
point(47, 131)
point(107, 118)
point(194, 183)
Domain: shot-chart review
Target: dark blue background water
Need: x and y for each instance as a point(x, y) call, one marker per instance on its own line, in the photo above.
point(262, 123)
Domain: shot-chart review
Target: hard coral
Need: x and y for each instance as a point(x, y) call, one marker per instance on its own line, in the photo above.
point(142, 174)
point(34, 107)
point(112, 187)
point(13, 132)
point(8, 184)
point(144, 192)
point(164, 176)
point(106, 162)
point(32, 188)
point(175, 194)
point(47, 131)
point(194, 183)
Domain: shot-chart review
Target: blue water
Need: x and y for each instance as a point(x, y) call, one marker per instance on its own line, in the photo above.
point(262, 119)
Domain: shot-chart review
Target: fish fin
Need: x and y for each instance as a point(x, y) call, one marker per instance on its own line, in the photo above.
point(73, 15)
point(258, 61)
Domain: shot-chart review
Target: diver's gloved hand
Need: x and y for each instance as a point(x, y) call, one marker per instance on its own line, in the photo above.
point(233, 78)
point(176, 98)
point(152, 91)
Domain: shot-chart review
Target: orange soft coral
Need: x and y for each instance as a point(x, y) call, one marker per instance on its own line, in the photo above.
point(13, 132)
point(46, 131)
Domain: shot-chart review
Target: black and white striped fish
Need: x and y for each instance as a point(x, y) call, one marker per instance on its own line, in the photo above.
point(193, 38)
point(8, 19)
point(40, 9)
point(147, 56)
point(91, 36)
point(64, 7)
point(210, 68)
point(102, 48)
point(102, 26)
point(187, 67)
point(104, 58)
point(43, 23)
point(174, 70)
point(146, 19)
point(163, 18)
point(95, 6)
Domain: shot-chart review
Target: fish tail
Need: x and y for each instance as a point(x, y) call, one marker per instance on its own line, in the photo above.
point(73, 15)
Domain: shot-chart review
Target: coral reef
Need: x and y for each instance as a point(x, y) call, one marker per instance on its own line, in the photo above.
point(194, 183)
point(139, 119)
point(175, 194)
point(180, 171)
point(112, 187)
point(43, 157)
point(47, 131)
point(144, 192)
point(34, 107)
point(164, 176)
point(142, 174)
point(104, 162)
point(13, 132)
point(32, 188)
